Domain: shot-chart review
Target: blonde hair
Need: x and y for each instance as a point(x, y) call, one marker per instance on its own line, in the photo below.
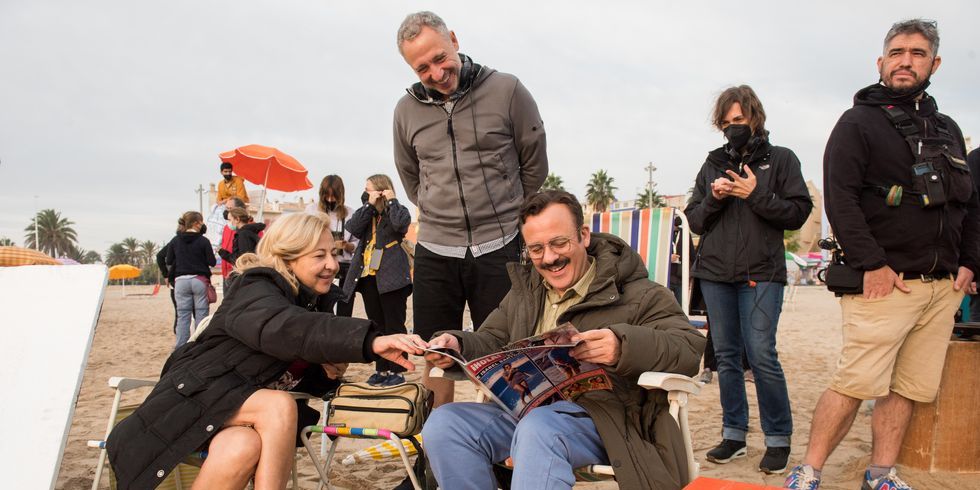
point(289, 238)
point(381, 182)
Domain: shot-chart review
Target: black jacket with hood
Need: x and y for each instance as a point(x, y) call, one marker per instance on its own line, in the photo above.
point(866, 152)
point(190, 253)
point(246, 241)
point(260, 328)
point(742, 239)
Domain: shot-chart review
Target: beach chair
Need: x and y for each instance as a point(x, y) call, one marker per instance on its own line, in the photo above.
point(650, 233)
point(184, 474)
point(336, 433)
point(156, 291)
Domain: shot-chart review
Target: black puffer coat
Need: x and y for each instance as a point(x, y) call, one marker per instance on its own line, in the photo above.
point(394, 272)
point(259, 330)
point(742, 239)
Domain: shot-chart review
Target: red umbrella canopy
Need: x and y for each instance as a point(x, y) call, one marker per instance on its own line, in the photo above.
point(269, 167)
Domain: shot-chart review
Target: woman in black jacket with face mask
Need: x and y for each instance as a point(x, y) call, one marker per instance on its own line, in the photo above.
point(746, 194)
point(225, 392)
point(379, 269)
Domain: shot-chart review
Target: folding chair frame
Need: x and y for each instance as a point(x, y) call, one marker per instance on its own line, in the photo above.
point(353, 432)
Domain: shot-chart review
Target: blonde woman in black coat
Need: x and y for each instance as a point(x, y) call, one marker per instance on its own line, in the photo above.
point(226, 391)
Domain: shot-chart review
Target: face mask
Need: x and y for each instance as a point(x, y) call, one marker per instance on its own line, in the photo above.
point(232, 227)
point(364, 197)
point(227, 177)
point(738, 135)
point(330, 205)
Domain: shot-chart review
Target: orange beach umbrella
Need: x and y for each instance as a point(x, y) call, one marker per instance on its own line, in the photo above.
point(268, 167)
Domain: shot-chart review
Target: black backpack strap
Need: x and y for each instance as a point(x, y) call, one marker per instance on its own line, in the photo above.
point(905, 126)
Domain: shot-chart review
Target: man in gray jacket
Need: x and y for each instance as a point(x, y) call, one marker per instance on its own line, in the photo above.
point(469, 145)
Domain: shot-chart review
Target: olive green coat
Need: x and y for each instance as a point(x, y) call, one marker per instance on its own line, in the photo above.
point(644, 444)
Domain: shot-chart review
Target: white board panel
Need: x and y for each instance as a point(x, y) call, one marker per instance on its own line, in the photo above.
point(47, 320)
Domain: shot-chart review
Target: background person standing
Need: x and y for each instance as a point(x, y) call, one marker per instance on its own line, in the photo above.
point(896, 180)
point(746, 194)
point(379, 270)
point(331, 202)
point(469, 146)
point(191, 258)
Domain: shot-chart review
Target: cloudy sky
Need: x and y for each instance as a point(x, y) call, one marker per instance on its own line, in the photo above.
point(113, 112)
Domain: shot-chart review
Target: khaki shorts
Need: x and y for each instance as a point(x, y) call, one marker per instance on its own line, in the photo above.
point(896, 343)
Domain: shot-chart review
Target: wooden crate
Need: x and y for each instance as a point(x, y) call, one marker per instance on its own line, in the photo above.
point(945, 435)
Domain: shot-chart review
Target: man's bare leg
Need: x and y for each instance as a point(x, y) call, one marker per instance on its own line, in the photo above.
point(443, 389)
point(832, 420)
point(888, 424)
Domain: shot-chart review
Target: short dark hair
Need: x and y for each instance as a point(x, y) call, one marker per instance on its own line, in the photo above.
point(225, 165)
point(537, 202)
point(238, 202)
point(751, 107)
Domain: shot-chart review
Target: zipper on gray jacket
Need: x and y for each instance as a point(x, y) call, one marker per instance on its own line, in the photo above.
point(459, 181)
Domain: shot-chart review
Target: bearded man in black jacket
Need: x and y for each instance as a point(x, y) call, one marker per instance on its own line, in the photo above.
point(900, 197)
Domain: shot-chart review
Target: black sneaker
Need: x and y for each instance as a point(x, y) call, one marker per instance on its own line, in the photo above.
point(774, 461)
point(727, 451)
point(377, 379)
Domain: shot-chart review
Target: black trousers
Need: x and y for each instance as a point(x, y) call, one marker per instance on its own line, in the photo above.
point(342, 308)
point(445, 285)
point(387, 311)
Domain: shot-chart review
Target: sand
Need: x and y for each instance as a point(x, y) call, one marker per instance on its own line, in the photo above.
point(134, 338)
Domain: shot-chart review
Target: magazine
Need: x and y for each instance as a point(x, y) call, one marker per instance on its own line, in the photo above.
point(533, 372)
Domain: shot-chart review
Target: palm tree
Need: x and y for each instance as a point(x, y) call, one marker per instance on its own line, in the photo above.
point(55, 234)
point(84, 256)
point(6, 242)
point(599, 191)
point(649, 199)
point(148, 252)
point(553, 183)
point(116, 255)
point(133, 252)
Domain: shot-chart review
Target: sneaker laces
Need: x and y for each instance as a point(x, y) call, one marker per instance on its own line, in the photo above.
point(893, 478)
point(804, 478)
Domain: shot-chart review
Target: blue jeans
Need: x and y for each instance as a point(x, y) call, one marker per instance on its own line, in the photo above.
point(464, 440)
point(192, 301)
point(745, 317)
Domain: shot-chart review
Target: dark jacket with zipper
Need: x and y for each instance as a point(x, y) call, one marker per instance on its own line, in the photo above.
point(644, 445)
point(190, 253)
point(394, 272)
point(246, 240)
point(469, 169)
point(742, 239)
point(260, 328)
point(865, 153)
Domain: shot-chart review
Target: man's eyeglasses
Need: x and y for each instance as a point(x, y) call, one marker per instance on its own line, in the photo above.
point(558, 245)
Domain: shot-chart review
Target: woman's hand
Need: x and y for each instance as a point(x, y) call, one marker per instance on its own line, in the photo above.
point(444, 341)
point(334, 370)
point(388, 194)
point(721, 188)
point(742, 186)
point(373, 197)
point(391, 347)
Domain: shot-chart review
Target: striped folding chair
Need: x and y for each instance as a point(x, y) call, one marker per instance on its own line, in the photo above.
point(650, 233)
point(336, 433)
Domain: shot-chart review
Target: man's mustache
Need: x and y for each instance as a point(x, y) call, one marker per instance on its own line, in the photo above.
point(559, 262)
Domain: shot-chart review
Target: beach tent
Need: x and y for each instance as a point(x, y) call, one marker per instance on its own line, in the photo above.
point(50, 314)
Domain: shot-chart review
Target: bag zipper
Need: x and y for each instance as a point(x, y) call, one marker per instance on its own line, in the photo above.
point(333, 408)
